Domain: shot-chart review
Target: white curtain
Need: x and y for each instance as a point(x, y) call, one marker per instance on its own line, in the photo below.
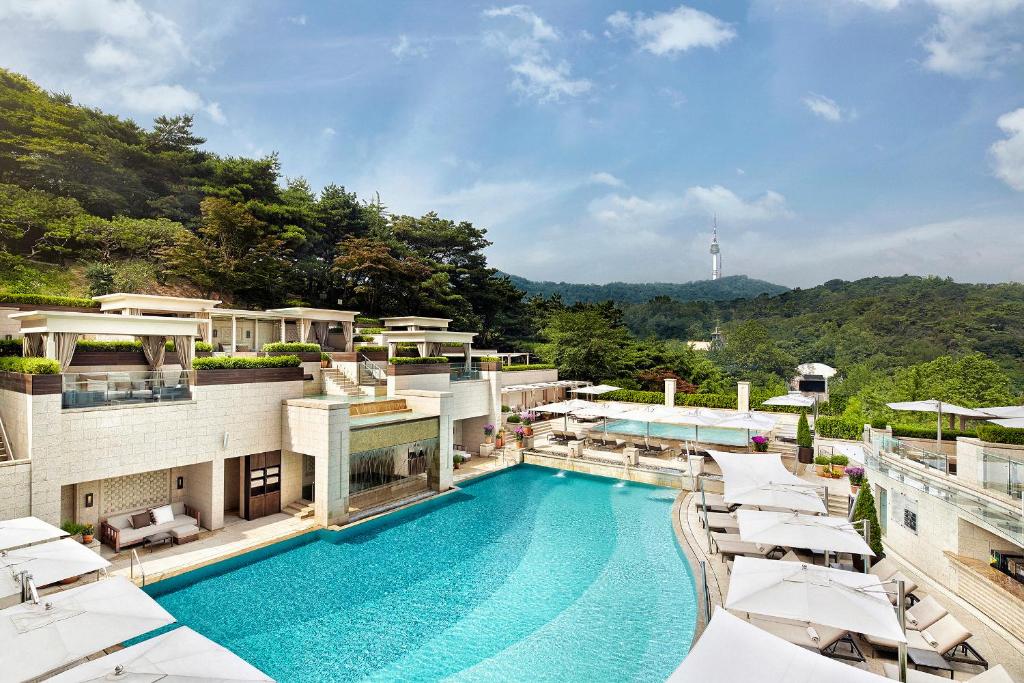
point(186, 351)
point(32, 345)
point(64, 344)
point(320, 333)
point(154, 348)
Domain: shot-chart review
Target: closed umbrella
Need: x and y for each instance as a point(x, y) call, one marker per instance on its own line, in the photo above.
point(47, 563)
point(762, 480)
point(793, 530)
point(178, 656)
point(73, 624)
point(813, 595)
point(15, 533)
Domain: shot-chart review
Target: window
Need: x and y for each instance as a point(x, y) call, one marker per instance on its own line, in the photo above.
point(904, 511)
point(248, 334)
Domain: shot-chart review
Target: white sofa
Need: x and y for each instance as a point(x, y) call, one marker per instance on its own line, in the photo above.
point(117, 530)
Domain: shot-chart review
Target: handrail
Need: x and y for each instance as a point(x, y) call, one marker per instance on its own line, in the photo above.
point(375, 371)
point(6, 439)
point(135, 558)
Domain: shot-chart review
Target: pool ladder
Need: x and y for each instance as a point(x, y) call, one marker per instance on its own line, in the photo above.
point(135, 558)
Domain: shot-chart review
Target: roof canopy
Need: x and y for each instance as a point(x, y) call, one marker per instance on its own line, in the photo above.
point(1011, 422)
point(415, 320)
point(105, 323)
point(15, 533)
point(762, 479)
point(428, 336)
point(73, 624)
point(47, 563)
point(181, 656)
point(713, 658)
point(794, 530)
point(597, 390)
point(322, 314)
point(747, 420)
point(153, 303)
point(810, 594)
point(934, 406)
point(1004, 411)
point(565, 407)
point(825, 371)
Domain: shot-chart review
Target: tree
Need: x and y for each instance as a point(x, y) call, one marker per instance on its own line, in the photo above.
point(374, 276)
point(584, 344)
point(750, 352)
point(864, 508)
point(803, 432)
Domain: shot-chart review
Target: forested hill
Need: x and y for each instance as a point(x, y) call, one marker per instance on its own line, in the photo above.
point(725, 289)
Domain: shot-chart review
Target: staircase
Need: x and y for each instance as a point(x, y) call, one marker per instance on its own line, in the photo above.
point(837, 505)
point(337, 383)
point(299, 509)
point(542, 429)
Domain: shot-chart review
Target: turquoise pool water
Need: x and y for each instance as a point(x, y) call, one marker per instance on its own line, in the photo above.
point(526, 575)
point(719, 435)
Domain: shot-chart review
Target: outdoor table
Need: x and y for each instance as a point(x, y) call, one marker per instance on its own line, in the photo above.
point(929, 659)
point(156, 539)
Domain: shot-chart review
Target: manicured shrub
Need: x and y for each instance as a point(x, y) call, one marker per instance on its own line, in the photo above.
point(864, 508)
point(371, 330)
point(997, 434)
point(803, 431)
point(490, 359)
point(29, 366)
point(205, 347)
point(532, 366)
point(291, 347)
point(10, 347)
point(706, 400)
point(109, 346)
point(823, 460)
point(367, 320)
point(914, 432)
point(426, 360)
point(633, 396)
point(366, 348)
point(514, 418)
point(839, 460)
point(47, 300)
point(363, 338)
point(232, 363)
point(406, 345)
point(837, 428)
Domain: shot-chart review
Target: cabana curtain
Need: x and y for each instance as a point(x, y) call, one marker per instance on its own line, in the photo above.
point(32, 345)
point(154, 349)
point(64, 344)
point(186, 351)
point(320, 329)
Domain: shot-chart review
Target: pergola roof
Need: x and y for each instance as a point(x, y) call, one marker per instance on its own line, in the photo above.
point(152, 302)
point(105, 323)
point(402, 320)
point(429, 336)
point(322, 314)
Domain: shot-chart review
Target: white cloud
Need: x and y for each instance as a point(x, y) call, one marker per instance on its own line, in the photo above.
point(538, 75)
point(727, 205)
point(299, 20)
point(328, 132)
point(407, 47)
point(1008, 154)
point(215, 113)
point(825, 107)
point(605, 178)
point(675, 98)
point(678, 30)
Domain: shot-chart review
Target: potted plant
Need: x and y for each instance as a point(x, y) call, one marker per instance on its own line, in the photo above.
point(804, 442)
point(857, 478)
point(488, 433)
point(457, 460)
point(520, 433)
point(823, 465)
point(325, 360)
point(838, 463)
point(499, 439)
point(528, 418)
point(760, 443)
point(87, 533)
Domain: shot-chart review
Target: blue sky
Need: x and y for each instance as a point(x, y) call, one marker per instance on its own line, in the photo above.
point(595, 140)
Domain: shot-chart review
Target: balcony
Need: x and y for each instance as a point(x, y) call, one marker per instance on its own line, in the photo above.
point(459, 372)
point(97, 389)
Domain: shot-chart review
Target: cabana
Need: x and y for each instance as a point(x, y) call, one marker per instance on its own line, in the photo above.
point(73, 624)
point(181, 655)
point(15, 533)
point(47, 563)
point(430, 342)
point(762, 480)
point(713, 659)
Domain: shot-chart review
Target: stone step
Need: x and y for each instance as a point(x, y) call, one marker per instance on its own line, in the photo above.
point(300, 509)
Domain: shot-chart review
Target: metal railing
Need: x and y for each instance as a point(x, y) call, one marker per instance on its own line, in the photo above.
point(1002, 474)
point(461, 373)
point(91, 389)
point(135, 560)
point(930, 459)
point(371, 373)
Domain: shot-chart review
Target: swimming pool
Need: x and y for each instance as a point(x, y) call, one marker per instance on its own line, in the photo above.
point(528, 575)
point(719, 435)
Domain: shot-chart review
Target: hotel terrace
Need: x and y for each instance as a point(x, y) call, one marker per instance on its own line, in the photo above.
point(178, 465)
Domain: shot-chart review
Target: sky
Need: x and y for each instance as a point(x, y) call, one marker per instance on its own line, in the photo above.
point(597, 140)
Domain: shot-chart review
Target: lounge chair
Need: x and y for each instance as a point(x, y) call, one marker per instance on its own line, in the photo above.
point(996, 674)
point(947, 637)
point(715, 503)
point(890, 587)
point(730, 545)
point(884, 568)
point(823, 639)
point(925, 613)
point(797, 556)
point(721, 521)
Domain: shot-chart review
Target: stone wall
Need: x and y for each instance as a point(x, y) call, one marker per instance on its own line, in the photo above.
point(424, 382)
point(528, 377)
point(15, 478)
point(471, 399)
point(15, 411)
point(321, 429)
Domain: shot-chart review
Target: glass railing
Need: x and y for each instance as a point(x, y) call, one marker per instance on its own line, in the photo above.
point(460, 372)
point(1001, 517)
point(931, 459)
point(92, 389)
point(371, 372)
point(1002, 474)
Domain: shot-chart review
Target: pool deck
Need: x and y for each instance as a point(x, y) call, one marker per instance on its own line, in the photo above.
point(997, 646)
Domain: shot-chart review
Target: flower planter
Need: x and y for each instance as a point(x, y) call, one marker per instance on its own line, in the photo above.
point(805, 455)
point(87, 538)
point(823, 470)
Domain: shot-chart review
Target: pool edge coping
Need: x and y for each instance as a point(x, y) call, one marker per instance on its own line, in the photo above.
point(691, 559)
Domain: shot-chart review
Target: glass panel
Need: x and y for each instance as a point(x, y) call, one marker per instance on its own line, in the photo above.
point(460, 373)
point(91, 389)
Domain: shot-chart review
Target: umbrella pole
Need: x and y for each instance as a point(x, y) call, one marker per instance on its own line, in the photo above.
point(704, 504)
point(902, 611)
point(938, 431)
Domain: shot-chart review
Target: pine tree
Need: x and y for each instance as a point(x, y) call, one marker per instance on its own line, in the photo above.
point(803, 432)
point(864, 508)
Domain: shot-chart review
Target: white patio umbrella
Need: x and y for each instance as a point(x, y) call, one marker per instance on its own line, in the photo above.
point(793, 530)
point(603, 411)
point(565, 407)
point(178, 656)
point(47, 563)
point(747, 421)
point(813, 595)
point(1004, 411)
point(73, 624)
point(1012, 422)
point(15, 533)
point(762, 479)
point(938, 407)
point(596, 390)
point(660, 414)
point(713, 658)
point(795, 399)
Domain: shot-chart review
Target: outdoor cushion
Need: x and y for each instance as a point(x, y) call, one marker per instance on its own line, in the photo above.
point(120, 521)
point(925, 613)
point(162, 514)
point(178, 508)
point(947, 633)
point(141, 520)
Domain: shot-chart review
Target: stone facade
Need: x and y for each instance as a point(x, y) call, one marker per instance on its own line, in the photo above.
point(15, 479)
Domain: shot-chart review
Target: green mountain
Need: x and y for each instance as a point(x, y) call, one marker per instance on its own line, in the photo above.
point(725, 289)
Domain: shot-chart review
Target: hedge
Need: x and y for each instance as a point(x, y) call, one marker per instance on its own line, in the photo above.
point(912, 432)
point(294, 347)
point(371, 330)
point(29, 366)
point(426, 360)
point(10, 347)
point(837, 428)
point(534, 366)
point(47, 300)
point(232, 363)
point(370, 347)
point(204, 346)
point(108, 346)
point(997, 434)
point(633, 396)
point(363, 338)
point(367, 320)
point(707, 400)
point(489, 359)
point(406, 345)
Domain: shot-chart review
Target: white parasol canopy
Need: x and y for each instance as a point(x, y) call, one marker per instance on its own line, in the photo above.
point(762, 479)
point(813, 595)
point(793, 398)
point(750, 421)
point(596, 390)
point(713, 658)
point(794, 530)
point(47, 563)
point(1012, 422)
point(78, 623)
point(565, 407)
point(934, 406)
point(1005, 411)
point(178, 656)
point(15, 533)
